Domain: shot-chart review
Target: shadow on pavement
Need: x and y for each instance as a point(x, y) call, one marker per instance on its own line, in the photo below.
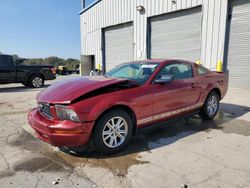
point(146, 140)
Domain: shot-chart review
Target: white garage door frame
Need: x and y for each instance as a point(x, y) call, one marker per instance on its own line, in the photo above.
point(127, 54)
point(237, 45)
point(177, 14)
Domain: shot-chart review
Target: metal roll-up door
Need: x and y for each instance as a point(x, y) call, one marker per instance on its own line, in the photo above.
point(238, 54)
point(119, 46)
point(176, 35)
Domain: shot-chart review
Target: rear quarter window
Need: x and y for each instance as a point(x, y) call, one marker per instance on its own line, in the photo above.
point(202, 71)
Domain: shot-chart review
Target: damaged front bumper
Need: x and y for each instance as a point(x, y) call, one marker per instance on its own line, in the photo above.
point(60, 133)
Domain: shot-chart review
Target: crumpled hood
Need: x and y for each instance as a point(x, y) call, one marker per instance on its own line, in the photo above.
point(64, 92)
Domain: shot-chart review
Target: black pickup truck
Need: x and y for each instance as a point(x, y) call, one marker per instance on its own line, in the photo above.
point(33, 76)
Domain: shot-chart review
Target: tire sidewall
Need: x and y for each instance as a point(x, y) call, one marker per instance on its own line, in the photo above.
point(206, 105)
point(32, 78)
point(97, 136)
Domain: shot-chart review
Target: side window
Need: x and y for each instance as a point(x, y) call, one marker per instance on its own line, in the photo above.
point(6, 61)
point(180, 71)
point(202, 71)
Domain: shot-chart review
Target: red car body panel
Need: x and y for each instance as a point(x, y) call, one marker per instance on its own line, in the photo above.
point(67, 90)
point(150, 103)
point(53, 132)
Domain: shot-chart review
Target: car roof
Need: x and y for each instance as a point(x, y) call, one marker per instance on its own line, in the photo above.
point(159, 61)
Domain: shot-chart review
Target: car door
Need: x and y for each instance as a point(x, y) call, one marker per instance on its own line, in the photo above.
point(7, 71)
point(179, 94)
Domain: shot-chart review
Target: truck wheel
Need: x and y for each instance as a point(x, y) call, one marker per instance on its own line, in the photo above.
point(112, 132)
point(210, 107)
point(36, 81)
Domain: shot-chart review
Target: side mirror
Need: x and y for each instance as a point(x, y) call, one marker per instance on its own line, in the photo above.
point(165, 78)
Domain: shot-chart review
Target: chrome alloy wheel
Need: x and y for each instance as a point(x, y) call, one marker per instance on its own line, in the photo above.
point(115, 132)
point(37, 82)
point(212, 105)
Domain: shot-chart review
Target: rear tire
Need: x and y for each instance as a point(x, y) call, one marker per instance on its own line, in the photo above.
point(36, 81)
point(210, 107)
point(112, 132)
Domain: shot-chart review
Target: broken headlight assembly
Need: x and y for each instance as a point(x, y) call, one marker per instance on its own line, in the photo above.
point(65, 113)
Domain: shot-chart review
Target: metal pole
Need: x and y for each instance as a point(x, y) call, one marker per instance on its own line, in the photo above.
point(83, 4)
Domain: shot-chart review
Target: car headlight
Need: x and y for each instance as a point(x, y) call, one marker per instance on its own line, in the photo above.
point(64, 113)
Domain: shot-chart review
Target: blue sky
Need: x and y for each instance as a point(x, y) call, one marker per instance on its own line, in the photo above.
point(40, 28)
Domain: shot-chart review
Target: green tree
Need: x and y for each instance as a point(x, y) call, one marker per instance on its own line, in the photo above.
point(51, 61)
point(70, 63)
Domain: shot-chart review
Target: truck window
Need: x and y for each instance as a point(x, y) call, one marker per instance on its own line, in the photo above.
point(6, 61)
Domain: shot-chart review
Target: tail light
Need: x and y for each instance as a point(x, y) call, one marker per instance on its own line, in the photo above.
point(53, 70)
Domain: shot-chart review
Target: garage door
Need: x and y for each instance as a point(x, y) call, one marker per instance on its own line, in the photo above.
point(238, 56)
point(176, 35)
point(119, 46)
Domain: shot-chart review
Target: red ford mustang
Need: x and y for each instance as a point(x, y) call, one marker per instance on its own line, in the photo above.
point(109, 109)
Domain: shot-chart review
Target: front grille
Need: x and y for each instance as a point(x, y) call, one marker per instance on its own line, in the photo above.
point(44, 109)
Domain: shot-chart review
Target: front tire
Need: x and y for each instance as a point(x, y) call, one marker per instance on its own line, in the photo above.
point(210, 107)
point(36, 81)
point(112, 132)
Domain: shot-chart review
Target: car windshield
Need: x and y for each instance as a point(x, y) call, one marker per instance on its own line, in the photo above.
point(137, 72)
